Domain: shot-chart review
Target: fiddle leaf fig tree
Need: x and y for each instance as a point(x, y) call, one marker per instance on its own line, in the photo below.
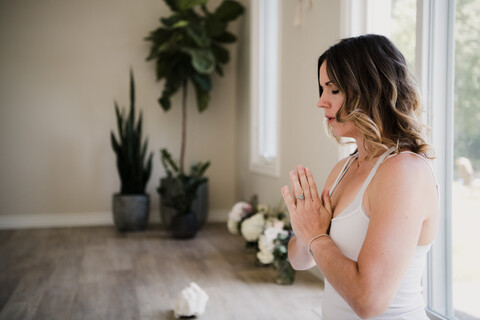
point(189, 46)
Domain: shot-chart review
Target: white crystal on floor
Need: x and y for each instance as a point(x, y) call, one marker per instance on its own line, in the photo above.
point(191, 301)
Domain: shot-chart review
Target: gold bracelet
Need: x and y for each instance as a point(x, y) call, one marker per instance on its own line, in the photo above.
point(309, 251)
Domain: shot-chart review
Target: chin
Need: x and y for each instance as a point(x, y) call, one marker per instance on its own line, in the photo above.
point(342, 131)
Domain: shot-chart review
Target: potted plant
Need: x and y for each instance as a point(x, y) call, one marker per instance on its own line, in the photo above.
point(131, 205)
point(179, 193)
point(189, 47)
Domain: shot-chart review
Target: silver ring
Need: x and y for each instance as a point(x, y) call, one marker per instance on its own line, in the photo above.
point(301, 197)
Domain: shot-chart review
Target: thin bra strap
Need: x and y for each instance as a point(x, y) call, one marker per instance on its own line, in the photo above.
point(344, 170)
point(374, 170)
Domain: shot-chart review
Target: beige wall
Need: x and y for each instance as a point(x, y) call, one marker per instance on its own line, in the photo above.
point(62, 65)
point(302, 139)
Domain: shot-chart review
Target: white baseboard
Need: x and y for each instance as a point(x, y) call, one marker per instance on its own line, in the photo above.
point(85, 219)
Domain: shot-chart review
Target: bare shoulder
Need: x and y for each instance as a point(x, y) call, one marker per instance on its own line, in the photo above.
point(334, 173)
point(404, 176)
point(405, 168)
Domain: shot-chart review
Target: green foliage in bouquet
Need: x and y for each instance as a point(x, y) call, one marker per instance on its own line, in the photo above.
point(280, 251)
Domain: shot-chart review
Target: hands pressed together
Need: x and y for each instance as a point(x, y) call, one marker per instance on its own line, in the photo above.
point(310, 215)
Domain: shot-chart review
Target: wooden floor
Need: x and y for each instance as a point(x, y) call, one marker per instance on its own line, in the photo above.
point(98, 273)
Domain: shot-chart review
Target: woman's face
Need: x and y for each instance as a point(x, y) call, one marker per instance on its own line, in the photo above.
point(330, 101)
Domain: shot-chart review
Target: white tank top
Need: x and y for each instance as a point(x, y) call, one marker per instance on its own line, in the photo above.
point(348, 231)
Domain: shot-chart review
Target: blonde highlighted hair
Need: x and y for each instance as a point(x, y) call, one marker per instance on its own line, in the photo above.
point(381, 97)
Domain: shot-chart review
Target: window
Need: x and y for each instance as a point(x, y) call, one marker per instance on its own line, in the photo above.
point(441, 41)
point(264, 154)
point(466, 162)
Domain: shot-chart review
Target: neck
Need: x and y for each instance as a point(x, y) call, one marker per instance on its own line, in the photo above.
point(363, 153)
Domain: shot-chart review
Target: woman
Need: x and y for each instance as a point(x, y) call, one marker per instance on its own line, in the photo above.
point(372, 226)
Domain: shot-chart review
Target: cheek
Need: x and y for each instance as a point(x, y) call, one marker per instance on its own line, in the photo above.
point(338, 102)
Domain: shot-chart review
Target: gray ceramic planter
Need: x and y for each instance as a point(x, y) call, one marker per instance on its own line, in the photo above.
point(131, 212)
point(199, 205)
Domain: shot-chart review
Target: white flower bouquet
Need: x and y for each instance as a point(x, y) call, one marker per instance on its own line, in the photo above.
point(268, 231)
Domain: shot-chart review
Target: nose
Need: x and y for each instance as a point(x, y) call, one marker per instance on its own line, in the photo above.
point(322, 102)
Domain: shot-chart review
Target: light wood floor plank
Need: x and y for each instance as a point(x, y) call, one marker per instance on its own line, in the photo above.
point(99, 273)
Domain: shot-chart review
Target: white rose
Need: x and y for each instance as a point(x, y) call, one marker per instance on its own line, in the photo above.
point(275, 223)
point(253, 227)
point(232, 226)
point(265, 243)
point(265, 257)
point(284, 233)
point(239, 210)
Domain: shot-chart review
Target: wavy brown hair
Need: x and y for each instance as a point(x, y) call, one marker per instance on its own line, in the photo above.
point(381, 97)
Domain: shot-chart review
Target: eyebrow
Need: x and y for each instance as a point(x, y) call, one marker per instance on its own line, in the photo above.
point(327, 83)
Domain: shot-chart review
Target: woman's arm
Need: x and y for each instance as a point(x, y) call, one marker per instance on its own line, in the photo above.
point(298, 256)
point(370, 284)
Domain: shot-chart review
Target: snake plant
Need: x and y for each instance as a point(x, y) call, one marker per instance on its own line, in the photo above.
point(133, 166)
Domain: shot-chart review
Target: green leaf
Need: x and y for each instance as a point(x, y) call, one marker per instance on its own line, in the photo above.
point(171, 21)
point(159, 39)
point(161, 68)
point(132, 92)
point(119, 119)
point(221, 54)
point(180, 24)
point(172, 67)
point(164, 101)
point(175, 77)
point(172, 4)
point(203, 98)
point(203, 81)
point(229, 10)
point(214, 26)
point(219, 70)
point(198, 35)
point(139, 127)
point(203, 60)
point(116, 147)
point(147, 171)
point(168, 163)
point(144, 149)
point(184, 5)
point(199, 169)
point(226, 37)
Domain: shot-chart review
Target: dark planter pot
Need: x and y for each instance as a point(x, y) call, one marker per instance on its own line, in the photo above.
point(131, 212)
point(184, 226)
point(199, 205)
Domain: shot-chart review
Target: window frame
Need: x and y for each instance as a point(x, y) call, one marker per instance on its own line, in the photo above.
point(269, 166)
point(437, 81)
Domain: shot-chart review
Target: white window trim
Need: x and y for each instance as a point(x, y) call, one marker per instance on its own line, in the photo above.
point(437, 68)
point(258, 163)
